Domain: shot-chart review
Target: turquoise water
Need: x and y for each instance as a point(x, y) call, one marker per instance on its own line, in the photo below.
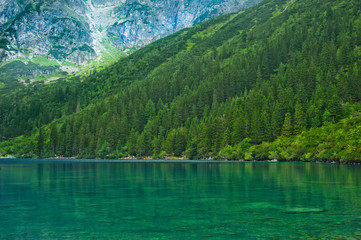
point(175, 200)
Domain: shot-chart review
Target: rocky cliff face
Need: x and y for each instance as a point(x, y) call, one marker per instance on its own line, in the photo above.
point(79, 31)
point(56, 29)
point(141, 22)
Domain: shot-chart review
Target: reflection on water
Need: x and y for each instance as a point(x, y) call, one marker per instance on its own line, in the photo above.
point(179, 200)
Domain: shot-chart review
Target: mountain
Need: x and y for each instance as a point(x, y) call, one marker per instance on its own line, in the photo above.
point(60, 35)
point(276, 81)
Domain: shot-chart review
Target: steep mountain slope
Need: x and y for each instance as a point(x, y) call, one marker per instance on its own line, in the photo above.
point(212, 91)
point(65, 34)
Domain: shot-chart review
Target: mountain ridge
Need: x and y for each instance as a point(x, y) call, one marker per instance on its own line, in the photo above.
point(79, 32)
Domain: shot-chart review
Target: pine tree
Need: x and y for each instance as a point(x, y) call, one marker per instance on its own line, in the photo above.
point(149, 110)
point(326, 117)
point(256, 127)
point(170, 142)
point(238, 127)
point(276, 122)
point(287, 125)
point(111, 135)
point(132, 142)
point(355, 83)
point(54, 138)
point(40, 144)
point(69, 139)
point(335, 109)
point(266, 126)
point(226, 138)
point(180, 142)
point(157, 146)
point(104, 150)
point(141, 145)
point(191, 152)
point(299, 120)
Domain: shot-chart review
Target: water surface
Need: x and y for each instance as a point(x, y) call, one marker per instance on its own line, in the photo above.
point(178, 200)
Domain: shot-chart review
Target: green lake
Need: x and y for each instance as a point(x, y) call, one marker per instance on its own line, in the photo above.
point(178, 200)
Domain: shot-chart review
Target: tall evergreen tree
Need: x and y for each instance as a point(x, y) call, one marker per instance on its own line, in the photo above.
point(335, 109)
point(40, 143)
point(54, 138)
point(299, 123)
point(287, 125)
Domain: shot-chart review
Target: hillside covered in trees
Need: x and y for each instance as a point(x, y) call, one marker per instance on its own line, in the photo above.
point(271, 82)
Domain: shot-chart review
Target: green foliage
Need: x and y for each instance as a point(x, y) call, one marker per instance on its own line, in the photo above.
point(44, 61)
point(54, 138)
point(335, 109)
point(211, 91)
point(338, 142)
point(299, 120)
point(40, 143)
point(287, 126)
point(237, 152)
point(9, 77)
point(4, 43)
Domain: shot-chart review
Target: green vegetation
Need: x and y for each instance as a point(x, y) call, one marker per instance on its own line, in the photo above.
point(10, 72)
point(69, 64)
point(44, 61)
point(4, 43)
point(37, 6)
point(332, 142)
point(50, 77)
point(271, 82)
point(111, 54)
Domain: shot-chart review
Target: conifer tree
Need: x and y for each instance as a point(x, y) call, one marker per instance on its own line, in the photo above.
point(238, 129)
point(54, 138)
point(276, 122)
point(335, 109)
point(287, 125)
point(256, 127)
point(40, 143)
point(299, 120)
point(132, 142)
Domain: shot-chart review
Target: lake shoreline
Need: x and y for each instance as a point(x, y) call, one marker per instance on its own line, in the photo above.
point(175, 159)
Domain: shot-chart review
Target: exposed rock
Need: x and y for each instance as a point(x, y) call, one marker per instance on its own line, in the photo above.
point(75, 30)
point(141, 22)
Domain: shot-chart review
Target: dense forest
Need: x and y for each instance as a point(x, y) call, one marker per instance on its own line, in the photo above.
point(280, 80)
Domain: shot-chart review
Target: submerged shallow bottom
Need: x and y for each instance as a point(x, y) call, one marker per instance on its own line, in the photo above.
point(155, 200)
